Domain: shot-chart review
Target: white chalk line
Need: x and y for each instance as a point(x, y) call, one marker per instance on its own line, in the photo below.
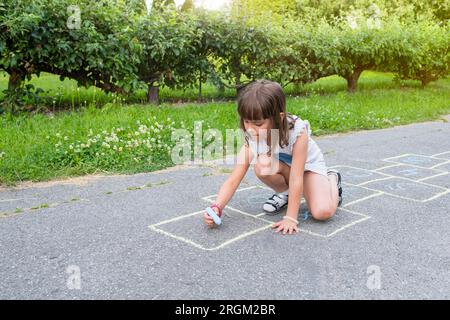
point(347, 226)
point(441, 164)
point(414, 165)
point(177, 218)
point(410, 154)
point(365, 217)
point(390, 176)
point(402, 178)
point(439, 154)
point(436, 175)
point(188, 241)
point(238, 190)
point(178, 237)
point(437, 196)
point(397, 196)
point(241, 236)
point(363, 199)
point(387, 167)
point(11, 200)
point(299, 229)
point(406, 165)
point(402, 155)
point(246, 234)
point(374, 180)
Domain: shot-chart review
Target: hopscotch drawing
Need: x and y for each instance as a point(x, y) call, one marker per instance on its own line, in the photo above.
point(412, 177)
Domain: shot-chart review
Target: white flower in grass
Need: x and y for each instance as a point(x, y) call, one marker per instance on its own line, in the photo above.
point(103, 153)
point(71, 147)
point(105, 145)
point(120, 149)
point(97, 154)
point(47, 137)
point(2, 154)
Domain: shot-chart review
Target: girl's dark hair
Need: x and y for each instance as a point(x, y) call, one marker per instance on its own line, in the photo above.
point(265, 99)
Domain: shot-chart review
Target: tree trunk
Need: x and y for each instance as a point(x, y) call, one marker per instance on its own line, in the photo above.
point(352, 80)
point(238, 82)
point(15, 80)
point(425, 81)
point(153, 93)
point(200, 98)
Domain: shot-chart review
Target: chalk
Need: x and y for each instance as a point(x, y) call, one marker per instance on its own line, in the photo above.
point(213, 215)
point(305, 216)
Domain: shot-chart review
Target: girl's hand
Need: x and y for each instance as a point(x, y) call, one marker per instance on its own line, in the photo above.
point(287, 226)
point(208, 220)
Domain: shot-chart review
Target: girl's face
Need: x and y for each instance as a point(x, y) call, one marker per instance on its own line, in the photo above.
point(258, 128)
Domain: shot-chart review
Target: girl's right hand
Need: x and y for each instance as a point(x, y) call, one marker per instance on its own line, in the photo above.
point(208, 220)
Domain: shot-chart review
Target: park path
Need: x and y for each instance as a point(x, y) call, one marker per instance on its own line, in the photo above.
point(141, 236)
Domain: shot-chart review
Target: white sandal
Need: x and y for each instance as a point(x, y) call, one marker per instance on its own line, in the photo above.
point(275, 203)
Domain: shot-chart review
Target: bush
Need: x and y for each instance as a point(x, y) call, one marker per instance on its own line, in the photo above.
point(34, 38)
point(425, 53)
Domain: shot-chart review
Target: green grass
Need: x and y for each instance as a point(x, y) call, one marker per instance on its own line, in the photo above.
point(34, 147)
point(67, 95)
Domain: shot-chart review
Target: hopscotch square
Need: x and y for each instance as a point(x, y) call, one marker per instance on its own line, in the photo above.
point(342, 220)
point(416, 160)
point(410, 172)
point(191, 229)
point(352, 194)
point(407, 189)
point(249, 200)
point(357, 176)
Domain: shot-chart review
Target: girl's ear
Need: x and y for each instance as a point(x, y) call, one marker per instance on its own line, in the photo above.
point(282, 115)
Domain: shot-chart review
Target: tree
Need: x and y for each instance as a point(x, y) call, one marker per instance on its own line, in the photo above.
point(35, 38)
point(187, 5)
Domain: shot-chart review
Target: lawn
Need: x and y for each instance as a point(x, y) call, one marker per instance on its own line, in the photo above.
point(94, 132)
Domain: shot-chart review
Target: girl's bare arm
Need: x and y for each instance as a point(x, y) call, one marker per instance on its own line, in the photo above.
point(299, 152)
point(229, 187)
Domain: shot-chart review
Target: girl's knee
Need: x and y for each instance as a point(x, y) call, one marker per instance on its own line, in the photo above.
point(322, 212)
point(263, 166)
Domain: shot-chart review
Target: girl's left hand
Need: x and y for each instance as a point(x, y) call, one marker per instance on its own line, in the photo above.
point(286, 226)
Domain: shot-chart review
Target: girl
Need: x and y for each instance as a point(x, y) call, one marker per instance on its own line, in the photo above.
point(287, 159)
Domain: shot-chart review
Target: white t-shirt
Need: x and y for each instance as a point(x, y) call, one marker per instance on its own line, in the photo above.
point(314, 160)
